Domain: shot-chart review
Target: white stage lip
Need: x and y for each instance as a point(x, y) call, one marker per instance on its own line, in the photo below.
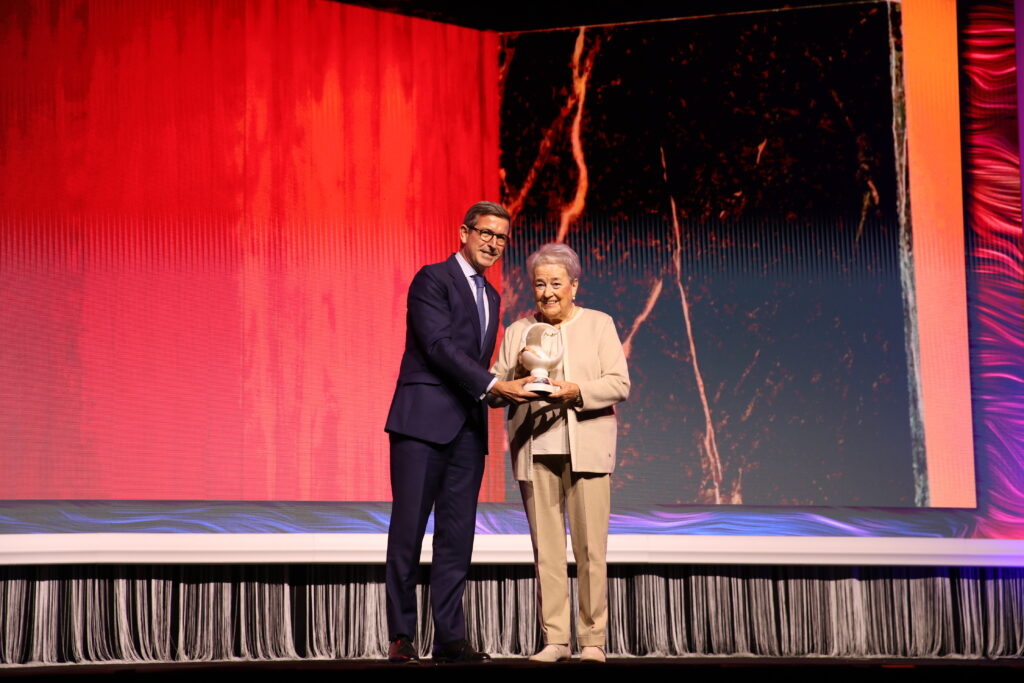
point(58, 549)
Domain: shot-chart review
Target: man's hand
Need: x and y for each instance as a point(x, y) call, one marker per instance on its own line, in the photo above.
point(566, 392)
point(512, 390)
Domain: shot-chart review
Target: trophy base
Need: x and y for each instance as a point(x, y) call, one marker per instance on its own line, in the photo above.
point(540, 387)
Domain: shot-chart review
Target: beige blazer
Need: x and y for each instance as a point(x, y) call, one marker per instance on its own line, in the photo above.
point(593, 359)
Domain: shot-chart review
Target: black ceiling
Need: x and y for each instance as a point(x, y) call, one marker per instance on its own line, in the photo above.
point(530, 15)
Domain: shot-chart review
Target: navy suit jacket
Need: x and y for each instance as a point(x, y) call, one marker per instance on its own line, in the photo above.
point(444, 367)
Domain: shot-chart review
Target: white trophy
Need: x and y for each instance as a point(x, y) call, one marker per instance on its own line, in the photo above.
point(542, 351)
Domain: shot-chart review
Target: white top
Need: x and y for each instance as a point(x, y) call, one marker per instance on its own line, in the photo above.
point(550, 434)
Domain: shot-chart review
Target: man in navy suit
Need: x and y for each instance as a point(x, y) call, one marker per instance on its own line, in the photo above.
point(438, 431)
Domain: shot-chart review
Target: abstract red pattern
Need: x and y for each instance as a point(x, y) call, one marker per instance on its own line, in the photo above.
point(210, 215)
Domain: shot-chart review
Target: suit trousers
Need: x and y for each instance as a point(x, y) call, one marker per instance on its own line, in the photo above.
point(446, 478)
point(554, 490)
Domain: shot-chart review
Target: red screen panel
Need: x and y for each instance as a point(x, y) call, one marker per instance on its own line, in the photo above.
point(211, 212)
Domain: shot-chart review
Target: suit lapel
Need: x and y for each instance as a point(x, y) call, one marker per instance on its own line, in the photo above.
point(461, 285)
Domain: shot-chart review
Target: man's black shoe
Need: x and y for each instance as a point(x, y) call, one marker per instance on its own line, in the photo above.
point(401, 651)
point(459, 652)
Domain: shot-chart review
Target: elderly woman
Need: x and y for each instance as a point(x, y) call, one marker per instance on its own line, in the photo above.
point(563, 451)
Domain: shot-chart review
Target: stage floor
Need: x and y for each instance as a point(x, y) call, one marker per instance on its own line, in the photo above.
point(792, 668)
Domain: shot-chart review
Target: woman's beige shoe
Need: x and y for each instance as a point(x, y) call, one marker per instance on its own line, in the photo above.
point(592, 653)
point(552, 653)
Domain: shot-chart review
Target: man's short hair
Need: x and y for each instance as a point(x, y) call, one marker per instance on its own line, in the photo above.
point(484, 209)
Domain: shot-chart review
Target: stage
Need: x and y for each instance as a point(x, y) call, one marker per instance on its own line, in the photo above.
point(676, 668)
point(803, 219)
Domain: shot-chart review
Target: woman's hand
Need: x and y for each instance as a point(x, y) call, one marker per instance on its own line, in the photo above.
point(566, 392)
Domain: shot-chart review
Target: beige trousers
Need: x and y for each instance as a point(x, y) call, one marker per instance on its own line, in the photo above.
point(586, 496)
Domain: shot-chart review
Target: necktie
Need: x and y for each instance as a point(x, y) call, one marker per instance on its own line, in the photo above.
point(478, 280)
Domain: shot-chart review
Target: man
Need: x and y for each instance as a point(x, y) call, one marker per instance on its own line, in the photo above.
point(438, 431)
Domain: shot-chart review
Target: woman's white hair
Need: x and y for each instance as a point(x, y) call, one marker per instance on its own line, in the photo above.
point(555, 253)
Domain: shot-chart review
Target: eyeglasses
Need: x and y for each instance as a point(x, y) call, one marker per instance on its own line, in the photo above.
point(488, 235)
